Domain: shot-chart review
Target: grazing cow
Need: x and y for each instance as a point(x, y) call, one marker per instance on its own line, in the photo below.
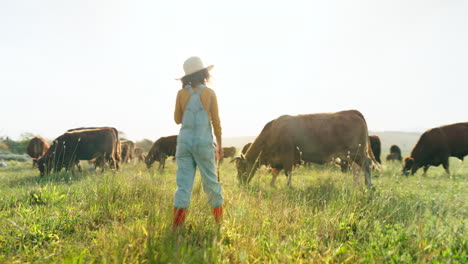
point(101, 162)
point(376, 147)
point(140, 154)
point(317, 138)
point(37, 147)
point(128, 151)
point(395, 153)
point(246, 147)
point(100, 144)
point(161, 149)
point(436, 145)
point(229, 152)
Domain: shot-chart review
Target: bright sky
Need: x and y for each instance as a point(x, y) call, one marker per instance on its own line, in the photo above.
point(65, 64)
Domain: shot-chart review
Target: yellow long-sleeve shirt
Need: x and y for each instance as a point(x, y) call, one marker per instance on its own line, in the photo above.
point(209, 102)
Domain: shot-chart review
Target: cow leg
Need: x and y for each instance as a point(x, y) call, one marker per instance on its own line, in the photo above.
point(79, 166)
point(57, 168)
point(367, 172)
point(274, 174)
point(112, 162)
point(116, 161)
point(162, 161)
point(289, 176)
point(69, 165)
point(365, 163)
point(288, 166)
point(446, 166)
point(425, 168)
point(102, 162)
point(108, 161)
point(345, 165)
point(161, 165)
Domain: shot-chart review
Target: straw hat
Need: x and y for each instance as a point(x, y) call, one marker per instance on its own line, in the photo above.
point(192, 65)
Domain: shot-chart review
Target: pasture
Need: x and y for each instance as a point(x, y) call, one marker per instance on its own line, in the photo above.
point(325, 217)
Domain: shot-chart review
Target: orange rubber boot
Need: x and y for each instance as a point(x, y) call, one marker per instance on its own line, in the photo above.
point(218, 214)
point(179, 218)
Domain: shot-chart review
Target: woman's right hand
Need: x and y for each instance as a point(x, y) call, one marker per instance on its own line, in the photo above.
point(219, 153)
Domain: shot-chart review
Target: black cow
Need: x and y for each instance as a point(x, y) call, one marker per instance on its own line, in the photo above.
point(436, 145)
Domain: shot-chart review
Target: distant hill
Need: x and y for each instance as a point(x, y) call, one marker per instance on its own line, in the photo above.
point(237, 142)
point(405, 140)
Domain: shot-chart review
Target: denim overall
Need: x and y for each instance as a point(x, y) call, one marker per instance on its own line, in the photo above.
point(195, 148)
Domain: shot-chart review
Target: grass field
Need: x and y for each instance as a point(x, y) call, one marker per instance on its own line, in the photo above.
point(125, 217)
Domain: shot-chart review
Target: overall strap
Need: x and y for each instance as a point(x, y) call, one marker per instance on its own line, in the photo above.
point(189, 87)
point(200, 88)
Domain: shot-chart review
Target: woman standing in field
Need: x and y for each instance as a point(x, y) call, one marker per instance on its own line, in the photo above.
point(197, 109)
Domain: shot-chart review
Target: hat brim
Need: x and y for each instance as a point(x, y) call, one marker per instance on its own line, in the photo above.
point(207, 68)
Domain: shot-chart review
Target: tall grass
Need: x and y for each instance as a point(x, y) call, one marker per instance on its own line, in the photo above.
point(125, 217)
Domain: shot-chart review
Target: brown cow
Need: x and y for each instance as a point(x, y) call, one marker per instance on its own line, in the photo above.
point(128, 151)
point(317, 138)
point(37, 147)
point(161, 149)
point(436, 145)
point(246, 147)
point(376, 147)
point(101, 144)
point(395, 153)
point(229, 152)
point(140, 154)
point(101, 162)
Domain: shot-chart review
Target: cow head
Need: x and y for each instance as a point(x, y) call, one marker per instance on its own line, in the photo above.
point(152, 157)
point(244, 169)
point(149, 160)
point(42, 166)
point(408, 164)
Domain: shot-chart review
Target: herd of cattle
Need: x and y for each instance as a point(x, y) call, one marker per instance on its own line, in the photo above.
point(284, 143)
